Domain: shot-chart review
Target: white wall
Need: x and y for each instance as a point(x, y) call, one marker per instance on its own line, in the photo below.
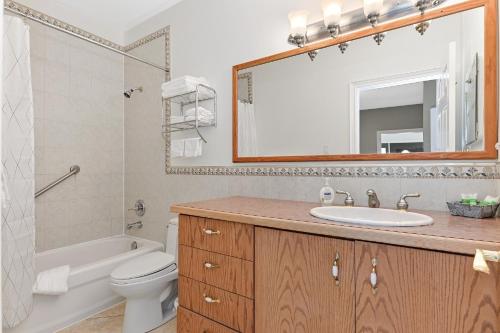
point(78, 104)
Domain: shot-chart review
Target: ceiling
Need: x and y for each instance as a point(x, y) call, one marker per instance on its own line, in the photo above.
point(407, 94)
point(106, 18)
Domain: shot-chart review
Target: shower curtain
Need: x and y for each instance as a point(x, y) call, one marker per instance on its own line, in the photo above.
point(18, 176)
point(247, 130)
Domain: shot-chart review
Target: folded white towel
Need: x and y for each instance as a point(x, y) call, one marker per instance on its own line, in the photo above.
point(192, 147)
point(52, 282)
point(176, 119)
point(177, 148)
point(205, 117)
point(203, 114)
point(183, 85)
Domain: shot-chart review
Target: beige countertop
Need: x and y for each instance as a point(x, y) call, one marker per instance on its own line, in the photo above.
point(448, 233)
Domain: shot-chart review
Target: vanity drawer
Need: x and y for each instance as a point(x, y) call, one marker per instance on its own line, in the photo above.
point(224, 307)
point(229, 238)
point(228, 273)
point(190, 322)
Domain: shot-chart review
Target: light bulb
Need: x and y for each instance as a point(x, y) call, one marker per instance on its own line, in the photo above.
point(372, 7)
point(332, 11)
point(298, 23)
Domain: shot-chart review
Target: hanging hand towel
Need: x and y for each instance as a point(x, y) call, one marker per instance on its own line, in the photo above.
point(52, 282)
point(177, 148)
point(192, 147)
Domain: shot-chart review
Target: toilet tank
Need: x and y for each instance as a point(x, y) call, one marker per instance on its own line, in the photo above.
point(171, 239)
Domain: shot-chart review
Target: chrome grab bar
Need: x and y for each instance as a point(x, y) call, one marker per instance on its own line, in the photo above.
point(72, 171)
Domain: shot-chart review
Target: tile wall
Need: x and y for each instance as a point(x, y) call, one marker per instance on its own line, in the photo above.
point(78, 103)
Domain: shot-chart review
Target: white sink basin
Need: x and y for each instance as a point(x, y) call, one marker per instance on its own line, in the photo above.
point(371, 216)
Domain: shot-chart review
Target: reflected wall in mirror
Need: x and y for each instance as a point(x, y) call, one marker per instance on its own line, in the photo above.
point(412, 97)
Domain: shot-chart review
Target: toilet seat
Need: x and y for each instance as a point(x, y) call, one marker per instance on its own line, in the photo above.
point(144, 268)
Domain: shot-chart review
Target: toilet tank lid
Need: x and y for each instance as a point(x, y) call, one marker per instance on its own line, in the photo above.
point(143, 265)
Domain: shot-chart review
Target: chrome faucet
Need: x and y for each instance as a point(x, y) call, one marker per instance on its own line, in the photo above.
point(135, 225)
point(373, 201)
point(403, 204)
point(349, 201)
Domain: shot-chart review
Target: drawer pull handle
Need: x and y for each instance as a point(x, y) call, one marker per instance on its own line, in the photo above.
point(335, 269)
point(209, 265)
point(210, 300)
point(373, 276)
point(481, 257)
point(211, 232)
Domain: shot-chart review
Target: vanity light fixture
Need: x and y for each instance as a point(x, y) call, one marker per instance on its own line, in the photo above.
point(332, 12)
point(298, 30)
point(422, 5)
point(422, 27)
point(372, 9)
point(379, 37)
point(298, 27)
point(343, 46)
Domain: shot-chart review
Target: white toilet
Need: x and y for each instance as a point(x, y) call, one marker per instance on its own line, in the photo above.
point(149, 283)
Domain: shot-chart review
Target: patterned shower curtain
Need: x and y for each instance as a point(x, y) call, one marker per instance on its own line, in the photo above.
point(18, 176)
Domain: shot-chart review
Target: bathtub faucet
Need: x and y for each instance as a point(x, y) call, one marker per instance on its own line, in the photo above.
point(135, 225)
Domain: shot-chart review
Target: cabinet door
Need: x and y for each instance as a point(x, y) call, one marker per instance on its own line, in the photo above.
point(295, 290)
point(420, 291)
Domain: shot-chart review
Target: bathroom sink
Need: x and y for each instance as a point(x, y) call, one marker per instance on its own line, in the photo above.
point(371, 216)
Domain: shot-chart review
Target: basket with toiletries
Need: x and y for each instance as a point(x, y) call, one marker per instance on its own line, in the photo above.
point(470, 206)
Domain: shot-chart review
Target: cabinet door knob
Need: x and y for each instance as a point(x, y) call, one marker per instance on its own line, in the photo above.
point(373, 276)
point(336, 270)
point(209, 265)
point(211, 232)
point(210, 300)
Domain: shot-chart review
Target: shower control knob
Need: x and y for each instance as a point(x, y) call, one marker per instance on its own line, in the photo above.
point(139, 208)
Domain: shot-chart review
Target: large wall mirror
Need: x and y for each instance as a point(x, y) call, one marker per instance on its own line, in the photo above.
point(430, 96)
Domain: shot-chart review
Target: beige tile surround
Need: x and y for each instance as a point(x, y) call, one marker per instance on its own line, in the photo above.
point(78, 103)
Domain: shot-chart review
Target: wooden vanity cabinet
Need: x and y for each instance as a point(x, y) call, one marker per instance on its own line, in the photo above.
point(236, 277)
point(295, 290)
point(415, 291)
point(422, 291)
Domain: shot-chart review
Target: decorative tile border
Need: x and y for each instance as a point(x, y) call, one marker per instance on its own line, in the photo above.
point(24, 10)
point(144, 40)
point(483, 171)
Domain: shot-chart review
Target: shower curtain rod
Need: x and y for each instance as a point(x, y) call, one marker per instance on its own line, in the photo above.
point(86, 39)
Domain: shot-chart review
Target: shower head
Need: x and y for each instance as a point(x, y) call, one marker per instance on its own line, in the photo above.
point(128, 93)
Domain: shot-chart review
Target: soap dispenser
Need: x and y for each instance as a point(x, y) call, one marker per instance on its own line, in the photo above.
point(326, 194)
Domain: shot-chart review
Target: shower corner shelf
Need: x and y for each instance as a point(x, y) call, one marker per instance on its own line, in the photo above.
point(202, 93)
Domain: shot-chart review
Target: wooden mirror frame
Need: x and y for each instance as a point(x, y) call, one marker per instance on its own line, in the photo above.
point(490, 88)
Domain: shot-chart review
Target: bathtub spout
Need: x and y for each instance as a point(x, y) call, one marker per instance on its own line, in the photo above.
point(135, 225)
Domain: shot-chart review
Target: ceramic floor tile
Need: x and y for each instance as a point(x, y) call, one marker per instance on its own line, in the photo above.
point(111, 321)
point(116, 310)
point(170, 327)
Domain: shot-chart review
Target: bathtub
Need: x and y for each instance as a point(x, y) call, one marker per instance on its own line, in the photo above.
point(89, 290)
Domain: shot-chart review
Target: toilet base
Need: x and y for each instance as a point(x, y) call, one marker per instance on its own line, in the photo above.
point(145, 314)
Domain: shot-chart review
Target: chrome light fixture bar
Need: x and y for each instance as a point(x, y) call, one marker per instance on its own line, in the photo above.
point(335, 22)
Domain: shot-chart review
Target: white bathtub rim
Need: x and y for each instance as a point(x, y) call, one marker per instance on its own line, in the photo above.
point(76, 277)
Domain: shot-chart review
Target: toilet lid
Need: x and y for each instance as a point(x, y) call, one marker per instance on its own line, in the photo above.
point(142, 266)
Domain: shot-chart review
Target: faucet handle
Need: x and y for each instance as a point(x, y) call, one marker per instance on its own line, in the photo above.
point(373, 201)
point(349, 201)
point(403, 204)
